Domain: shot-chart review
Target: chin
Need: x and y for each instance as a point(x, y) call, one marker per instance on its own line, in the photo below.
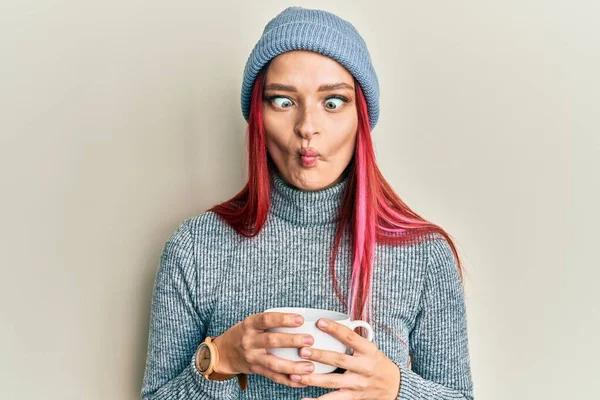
point(314, 184)
point(308, 179)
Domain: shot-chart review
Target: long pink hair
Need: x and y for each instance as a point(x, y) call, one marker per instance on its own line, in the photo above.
point(370, 208)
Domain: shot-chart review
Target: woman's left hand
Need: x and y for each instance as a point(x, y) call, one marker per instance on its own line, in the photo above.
point(370, 374)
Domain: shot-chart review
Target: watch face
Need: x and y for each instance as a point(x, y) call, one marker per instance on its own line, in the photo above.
point(203, 357)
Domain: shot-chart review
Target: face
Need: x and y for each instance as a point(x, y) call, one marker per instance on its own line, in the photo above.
point(310, 118)
point(203, 358)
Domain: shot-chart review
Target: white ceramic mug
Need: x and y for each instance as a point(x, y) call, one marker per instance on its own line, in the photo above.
point(322, 340)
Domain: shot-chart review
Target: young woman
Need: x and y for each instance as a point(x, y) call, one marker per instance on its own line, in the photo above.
point(318, 226)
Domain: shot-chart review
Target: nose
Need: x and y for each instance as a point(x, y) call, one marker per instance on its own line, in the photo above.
point(305, 125)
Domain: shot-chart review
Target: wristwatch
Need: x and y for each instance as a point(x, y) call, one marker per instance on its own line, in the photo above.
point(207, 359)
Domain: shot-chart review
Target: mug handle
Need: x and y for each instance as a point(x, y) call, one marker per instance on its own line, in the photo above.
point(361, 324)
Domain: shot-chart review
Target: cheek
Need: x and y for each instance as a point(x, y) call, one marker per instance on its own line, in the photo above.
point(276, 128)
point(348, 132)
point(341, 150)
point(275, 119)
point(348, 149)
point(350, 125)
point(276, 140)
point(346, 124)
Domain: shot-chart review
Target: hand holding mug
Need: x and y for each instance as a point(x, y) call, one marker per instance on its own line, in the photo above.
point(242, 348)
point(369, 374)
point(322, 340)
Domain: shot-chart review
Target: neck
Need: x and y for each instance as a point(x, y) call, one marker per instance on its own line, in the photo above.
point(303, 207)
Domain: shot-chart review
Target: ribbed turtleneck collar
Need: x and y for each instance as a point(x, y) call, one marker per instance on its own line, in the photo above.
point(306, 207)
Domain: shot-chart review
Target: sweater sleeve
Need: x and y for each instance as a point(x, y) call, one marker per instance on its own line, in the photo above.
point(438, 342)
point(176, 329)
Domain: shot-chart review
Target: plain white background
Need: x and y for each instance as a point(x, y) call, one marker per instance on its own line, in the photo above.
point(121, 118)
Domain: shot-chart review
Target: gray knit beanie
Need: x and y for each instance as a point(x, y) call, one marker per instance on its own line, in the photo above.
point(298, 28)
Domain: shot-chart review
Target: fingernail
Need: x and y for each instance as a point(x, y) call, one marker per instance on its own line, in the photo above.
point(309, 368)
point(295, 378)
point(308, 340)
point(322, 323)
point(305, 352)
point(298, 320)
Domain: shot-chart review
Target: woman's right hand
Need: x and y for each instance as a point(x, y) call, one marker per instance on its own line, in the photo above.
point(243, 348)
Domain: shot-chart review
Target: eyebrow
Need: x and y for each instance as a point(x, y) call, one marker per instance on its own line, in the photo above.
point(322, 88)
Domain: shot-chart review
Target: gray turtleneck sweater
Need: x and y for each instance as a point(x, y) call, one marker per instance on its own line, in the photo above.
point(210, 278)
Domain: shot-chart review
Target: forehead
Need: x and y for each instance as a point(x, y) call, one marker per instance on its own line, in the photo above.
point(306, 68)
